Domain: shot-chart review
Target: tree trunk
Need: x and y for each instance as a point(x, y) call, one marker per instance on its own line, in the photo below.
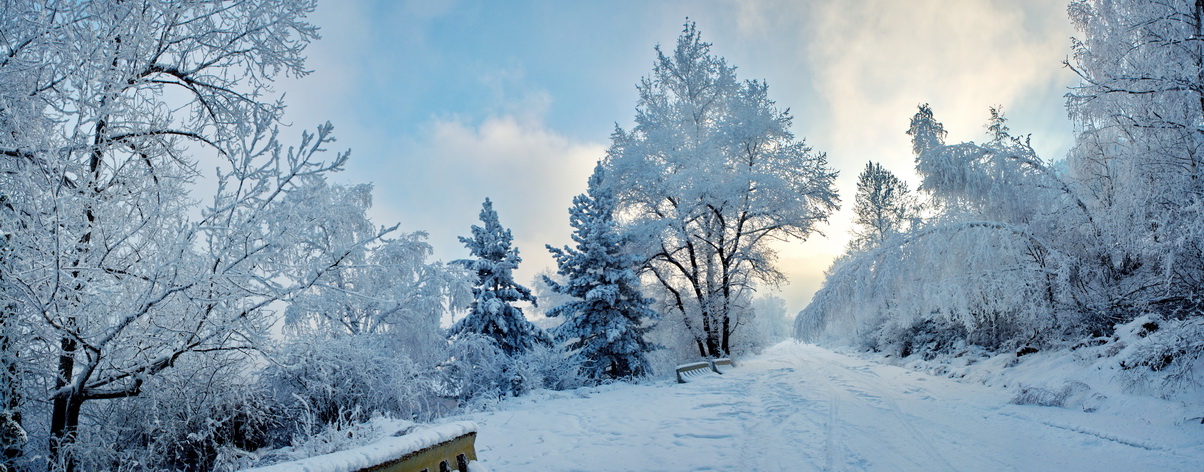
point(64, 419)
point(11, 443)
point(727, 336)
point(712, 344)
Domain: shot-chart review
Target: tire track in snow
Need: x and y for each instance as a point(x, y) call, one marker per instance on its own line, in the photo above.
point(778, 406)
point(855, 380)
point(836, 453)
point(1149, 446)
point(833, 445)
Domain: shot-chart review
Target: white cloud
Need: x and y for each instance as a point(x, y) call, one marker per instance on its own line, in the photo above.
point(852, 72)
point(873, 61)
point(530, 173)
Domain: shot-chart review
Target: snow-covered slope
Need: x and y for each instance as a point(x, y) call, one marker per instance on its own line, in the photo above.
point(800, 407)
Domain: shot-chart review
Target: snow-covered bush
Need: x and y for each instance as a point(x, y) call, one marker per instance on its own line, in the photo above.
point(548, 367)
point(1072, 394)
point(476, 370)
point(346, 432)
point(477, 373)
point(12, 438)
point(677, 345)
point(324, 381)
point(971, 280)
point(927, 338)
point(189, 420)
point(1169, 351)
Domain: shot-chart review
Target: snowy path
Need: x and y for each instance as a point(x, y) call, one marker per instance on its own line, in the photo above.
point(801, 407)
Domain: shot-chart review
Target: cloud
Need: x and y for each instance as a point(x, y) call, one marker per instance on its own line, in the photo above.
point(873, 61)
point(530, 172)
point(444, 104)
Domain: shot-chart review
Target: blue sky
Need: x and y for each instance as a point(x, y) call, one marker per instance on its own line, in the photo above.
point(446, 102)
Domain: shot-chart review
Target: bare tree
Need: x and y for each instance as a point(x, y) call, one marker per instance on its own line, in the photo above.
point(106, 110)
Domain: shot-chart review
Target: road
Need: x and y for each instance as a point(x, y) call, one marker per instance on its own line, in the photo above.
point(800, 407)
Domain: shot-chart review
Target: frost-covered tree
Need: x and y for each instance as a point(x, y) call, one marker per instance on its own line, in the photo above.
point(709, 176)
point(492, 312)
point(882, 207)
point(606, 323)
point(383, 287)
point(926, 133)
point(998, 266)
point(772, 318)
point(1139, 152)
point(109, 111)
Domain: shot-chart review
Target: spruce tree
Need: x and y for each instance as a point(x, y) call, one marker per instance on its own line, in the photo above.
point(607, 322)
point(492, 312)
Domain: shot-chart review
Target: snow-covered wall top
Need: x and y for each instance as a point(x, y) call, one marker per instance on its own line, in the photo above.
point(377, 453)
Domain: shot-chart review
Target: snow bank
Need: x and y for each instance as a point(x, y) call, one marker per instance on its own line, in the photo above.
point(1088, 376)
point(379, 452)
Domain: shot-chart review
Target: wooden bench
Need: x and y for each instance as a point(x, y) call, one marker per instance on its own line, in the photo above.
point(698, 369)
point(693, 369)
point(440, 448)
point(453, 454)
point(715, 363)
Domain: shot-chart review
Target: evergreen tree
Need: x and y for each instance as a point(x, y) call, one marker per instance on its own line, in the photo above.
point(605, 325)
point(883, 206)
point(492, 312)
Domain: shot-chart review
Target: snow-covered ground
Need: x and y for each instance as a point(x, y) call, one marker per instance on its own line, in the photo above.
point(799, 407)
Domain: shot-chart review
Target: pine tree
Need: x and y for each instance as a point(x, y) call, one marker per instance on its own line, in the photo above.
point(607, 322)
point(883, 206)
point(492, 312)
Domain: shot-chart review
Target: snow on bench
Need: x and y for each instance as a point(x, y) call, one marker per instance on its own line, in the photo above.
point(437, 449)
point(715, 363)
point(698, 369)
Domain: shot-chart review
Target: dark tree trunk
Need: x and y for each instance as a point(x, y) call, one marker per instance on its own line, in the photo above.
point(64, 418)
point(11, 441)
point(11, 444)
point(712, 344)
point(727, 336)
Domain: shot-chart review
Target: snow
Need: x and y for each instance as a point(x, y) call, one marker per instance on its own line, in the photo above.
point(801, 407)
point(379, 452)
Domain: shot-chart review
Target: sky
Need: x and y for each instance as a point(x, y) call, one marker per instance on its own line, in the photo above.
point(445, 103)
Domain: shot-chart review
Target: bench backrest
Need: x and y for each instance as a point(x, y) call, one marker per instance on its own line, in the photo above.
point(693, 369)
point(715, 363)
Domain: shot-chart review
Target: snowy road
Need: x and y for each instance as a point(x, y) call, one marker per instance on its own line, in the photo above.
point(800, 407)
